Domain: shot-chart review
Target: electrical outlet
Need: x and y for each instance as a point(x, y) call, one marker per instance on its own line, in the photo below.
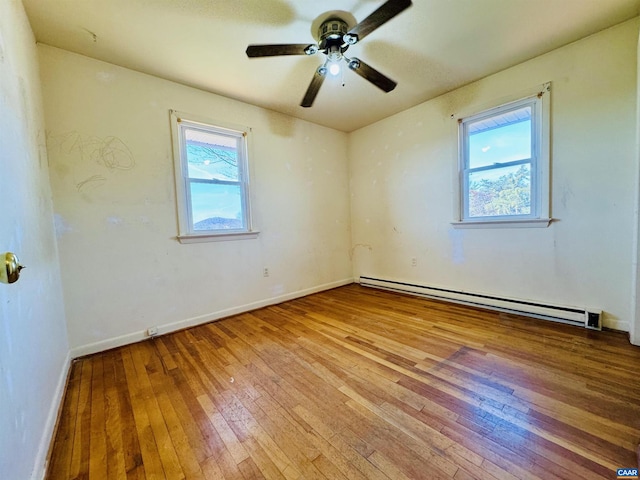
point(414, 262)
point(151, 331)
point(265, 272)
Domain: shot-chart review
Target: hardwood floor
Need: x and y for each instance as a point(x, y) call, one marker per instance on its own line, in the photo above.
point(356, 383)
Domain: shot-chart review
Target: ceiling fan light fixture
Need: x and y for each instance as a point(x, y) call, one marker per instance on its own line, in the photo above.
point(334, 53)
point(334, 57)
point(350, 39)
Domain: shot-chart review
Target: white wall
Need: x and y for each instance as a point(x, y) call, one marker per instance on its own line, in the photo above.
point(403, 174)
point(33, 336)
point(111, 160)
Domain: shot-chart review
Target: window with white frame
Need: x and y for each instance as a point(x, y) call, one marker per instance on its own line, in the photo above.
point(212, 179)
point(504, 163)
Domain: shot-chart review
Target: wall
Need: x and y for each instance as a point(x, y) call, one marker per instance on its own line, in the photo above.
point(634, 330)
point(33, 338)
point(109, 143)
point(403, 174)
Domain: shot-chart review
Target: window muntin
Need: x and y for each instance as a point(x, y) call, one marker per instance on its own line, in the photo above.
point(211, 179)
point(502, 156)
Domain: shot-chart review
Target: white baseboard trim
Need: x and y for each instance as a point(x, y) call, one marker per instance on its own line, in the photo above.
point(201, 319)
point(40, 465)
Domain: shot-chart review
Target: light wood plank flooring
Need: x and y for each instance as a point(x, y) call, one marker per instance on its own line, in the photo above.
point(355, 383)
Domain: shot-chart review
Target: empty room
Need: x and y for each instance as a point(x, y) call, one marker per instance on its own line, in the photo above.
point(355, 239)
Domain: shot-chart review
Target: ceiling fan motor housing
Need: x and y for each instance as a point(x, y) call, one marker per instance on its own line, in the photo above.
point(331, 32)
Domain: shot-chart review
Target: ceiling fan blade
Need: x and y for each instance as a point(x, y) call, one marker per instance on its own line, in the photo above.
point(281, 49)
point(369, 73)
point(381, 16)
point(314, 87)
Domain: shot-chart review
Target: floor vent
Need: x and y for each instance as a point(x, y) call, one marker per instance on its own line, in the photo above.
point(582, 317)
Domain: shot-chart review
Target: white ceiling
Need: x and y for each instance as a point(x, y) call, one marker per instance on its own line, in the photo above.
point(433, 47)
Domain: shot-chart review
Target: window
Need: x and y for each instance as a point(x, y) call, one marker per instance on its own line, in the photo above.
point(504, 164)
point(212, 182)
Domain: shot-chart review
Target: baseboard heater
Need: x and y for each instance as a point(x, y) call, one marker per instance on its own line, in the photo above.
point(582, 317)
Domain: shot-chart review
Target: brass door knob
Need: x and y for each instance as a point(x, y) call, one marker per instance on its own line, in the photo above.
point(10, 271)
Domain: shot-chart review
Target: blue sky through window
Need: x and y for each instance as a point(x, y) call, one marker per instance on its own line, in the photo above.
point(211, 200)
point(503, 144)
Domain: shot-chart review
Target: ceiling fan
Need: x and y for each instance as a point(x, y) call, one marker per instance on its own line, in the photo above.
point(335, 38)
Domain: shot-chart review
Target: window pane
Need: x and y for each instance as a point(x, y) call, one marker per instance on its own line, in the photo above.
point(216, 207)
point(500, 191)
point(211, 155)
point(501, 138)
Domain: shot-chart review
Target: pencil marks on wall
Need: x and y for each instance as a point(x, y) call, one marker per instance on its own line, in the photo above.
point(93, 181)
point(108, 151)
point(91, 160)
point(113, 154)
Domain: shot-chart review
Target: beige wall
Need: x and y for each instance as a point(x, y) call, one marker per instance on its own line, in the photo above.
point(33, 337)
point(403, 174)
point(109, 142)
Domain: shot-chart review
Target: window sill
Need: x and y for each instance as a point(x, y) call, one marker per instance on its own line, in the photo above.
point(217, 237)
point(524, 223)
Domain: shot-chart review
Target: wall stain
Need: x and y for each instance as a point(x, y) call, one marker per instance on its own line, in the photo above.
point(43, 157)
point(357, 245)
point(60, 225)
point(94, 37)
point(566, 195)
